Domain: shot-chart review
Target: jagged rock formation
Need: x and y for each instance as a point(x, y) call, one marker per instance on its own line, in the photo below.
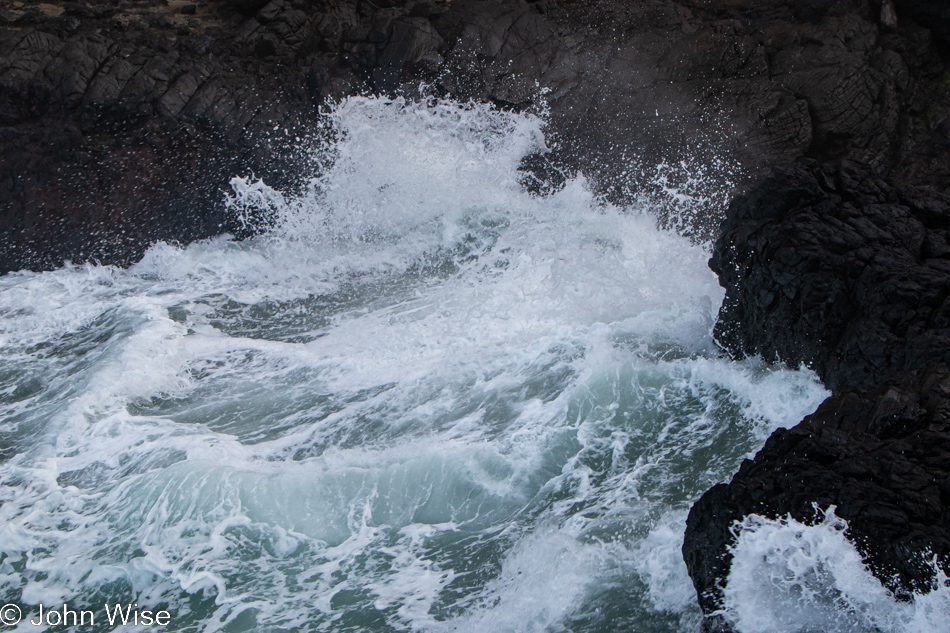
point(838, 269)
point(119, 127)
point(121, 122)
point(849, 273)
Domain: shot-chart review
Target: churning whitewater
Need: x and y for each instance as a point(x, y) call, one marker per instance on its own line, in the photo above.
point(422, 399)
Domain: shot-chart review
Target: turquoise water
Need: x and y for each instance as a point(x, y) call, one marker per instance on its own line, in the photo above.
point(422, 400)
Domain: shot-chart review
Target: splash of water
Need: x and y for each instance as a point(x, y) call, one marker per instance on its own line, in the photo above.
point(421, 399)
point(788, 577)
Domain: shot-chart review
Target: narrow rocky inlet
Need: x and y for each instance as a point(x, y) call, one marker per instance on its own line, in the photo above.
point(396, 314)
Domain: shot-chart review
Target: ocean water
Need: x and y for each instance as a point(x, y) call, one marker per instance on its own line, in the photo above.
point(421, 399)
point(788, 577)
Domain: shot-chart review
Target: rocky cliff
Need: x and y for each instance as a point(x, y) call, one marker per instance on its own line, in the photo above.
point(847, 272)
point(121, 121)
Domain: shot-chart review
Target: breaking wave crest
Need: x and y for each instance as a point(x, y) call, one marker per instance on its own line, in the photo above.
point(421, 399)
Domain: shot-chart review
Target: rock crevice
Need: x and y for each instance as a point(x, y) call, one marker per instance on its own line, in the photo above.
point(99, 101)
point(841, 270)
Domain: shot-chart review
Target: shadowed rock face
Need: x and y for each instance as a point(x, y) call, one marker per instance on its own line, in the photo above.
point(121, 123)
point(119, 128)
point(882, 457)
point(849, 273)
point(934, 13)
point(839, 269)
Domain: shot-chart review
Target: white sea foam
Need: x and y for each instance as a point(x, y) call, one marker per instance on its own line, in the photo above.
point(422, 399)
point(788, 577)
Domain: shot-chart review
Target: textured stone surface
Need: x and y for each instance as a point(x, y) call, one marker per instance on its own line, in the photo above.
point(120, 127)
point(121, 122)
point(881, 457)
point(839, 269)
point(849, 273)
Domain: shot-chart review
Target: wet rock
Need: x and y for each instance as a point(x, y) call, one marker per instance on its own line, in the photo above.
point(881, 457)
point(935, 14)
point(839, 269)
point(729, 88)
point(847, 272)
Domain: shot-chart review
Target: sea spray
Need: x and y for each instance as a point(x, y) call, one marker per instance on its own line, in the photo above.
point(787, 577)
point(420, 399)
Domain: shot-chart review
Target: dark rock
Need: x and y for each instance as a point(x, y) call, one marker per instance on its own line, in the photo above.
point(838, 269)
point(881, 457)
point(730, 87)
point(247, 7)
point(189, 9)
point(935, 14)
point(846, 272)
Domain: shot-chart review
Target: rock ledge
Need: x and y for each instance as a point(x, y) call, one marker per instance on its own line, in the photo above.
point(846, 272)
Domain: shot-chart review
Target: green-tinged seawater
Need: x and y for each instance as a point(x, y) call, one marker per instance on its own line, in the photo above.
point(422, 400)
